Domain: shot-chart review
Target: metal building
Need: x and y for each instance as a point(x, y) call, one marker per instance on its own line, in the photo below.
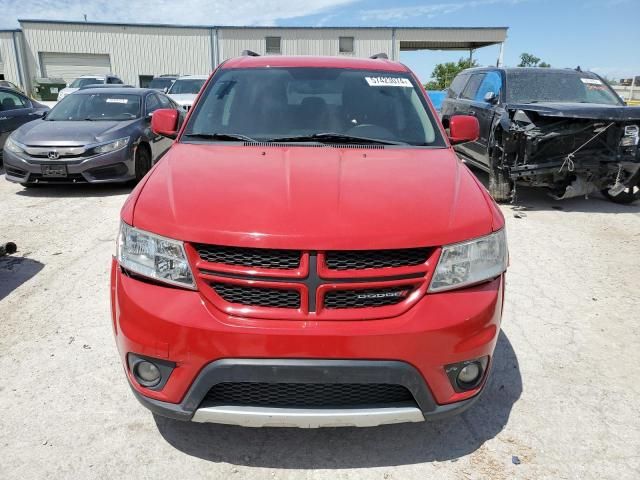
point(137, 52)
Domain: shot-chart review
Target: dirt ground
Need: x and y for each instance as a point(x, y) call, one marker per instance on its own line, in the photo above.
point(562, 401)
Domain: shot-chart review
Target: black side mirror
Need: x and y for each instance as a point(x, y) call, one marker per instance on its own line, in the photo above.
point(491, 97)
point(44, 114)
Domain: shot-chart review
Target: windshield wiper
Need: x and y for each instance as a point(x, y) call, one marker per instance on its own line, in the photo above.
point(335, 138)
point(220, 136)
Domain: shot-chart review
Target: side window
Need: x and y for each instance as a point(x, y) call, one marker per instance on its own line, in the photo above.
point(152, 103)
point(457, 85)
point(11, 101)
point(118, 81)
point(273, 45)
point(345, 44)
point(164, 101)
point(492, 83)
point(471, 89)
point(110, 80)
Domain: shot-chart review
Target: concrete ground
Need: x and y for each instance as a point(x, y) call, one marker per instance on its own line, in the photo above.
point(562, 401)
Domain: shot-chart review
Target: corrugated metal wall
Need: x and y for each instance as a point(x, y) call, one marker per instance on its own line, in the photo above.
point(232, 41)
point(133, 50)
point(9, 67)
point(155, 49)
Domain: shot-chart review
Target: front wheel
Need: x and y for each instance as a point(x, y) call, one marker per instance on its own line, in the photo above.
point(500, 186)
point(626, 196)
point(142, 162)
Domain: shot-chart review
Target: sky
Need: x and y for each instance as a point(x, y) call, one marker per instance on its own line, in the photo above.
point(599, 35)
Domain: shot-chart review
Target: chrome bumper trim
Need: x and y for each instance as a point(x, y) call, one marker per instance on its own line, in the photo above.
point(306, 418)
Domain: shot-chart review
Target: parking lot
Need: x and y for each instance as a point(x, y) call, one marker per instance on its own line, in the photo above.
point(561, 402)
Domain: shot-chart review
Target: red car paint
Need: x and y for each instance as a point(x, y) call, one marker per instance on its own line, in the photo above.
point(310, 200)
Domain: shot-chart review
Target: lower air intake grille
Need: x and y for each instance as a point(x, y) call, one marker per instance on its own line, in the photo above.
point(363, 259)
point(250, 257)
point(258, 296)
point(307, 394)
point(379, 297)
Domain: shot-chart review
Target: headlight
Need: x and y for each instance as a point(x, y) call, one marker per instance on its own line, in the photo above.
point(13, 146)
point(153, 256)
point(112, 146)
point(466, 263)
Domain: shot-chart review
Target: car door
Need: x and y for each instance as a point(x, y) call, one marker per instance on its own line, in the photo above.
point(485, 110)
point(15, 110)
point(450, 103)
point(464, 106)
point(158, 143)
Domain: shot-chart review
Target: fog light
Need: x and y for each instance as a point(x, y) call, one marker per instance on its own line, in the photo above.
point(469, 374)
point(147, 373)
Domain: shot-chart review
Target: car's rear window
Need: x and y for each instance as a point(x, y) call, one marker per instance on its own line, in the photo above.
point(83, 82)
point(268, 103)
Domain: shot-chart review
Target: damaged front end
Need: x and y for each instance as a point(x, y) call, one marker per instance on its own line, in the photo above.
point(571, 152)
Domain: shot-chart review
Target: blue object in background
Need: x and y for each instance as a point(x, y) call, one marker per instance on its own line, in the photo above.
point(437, 97)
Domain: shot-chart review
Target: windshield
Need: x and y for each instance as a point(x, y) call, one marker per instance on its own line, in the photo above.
point(532, 86)
point(160, 83)
point(186, 86)
point(83, 82)
point(282, 103)
point(96, 106)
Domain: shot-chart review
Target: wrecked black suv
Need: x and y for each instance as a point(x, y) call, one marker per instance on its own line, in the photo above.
point(565, 130)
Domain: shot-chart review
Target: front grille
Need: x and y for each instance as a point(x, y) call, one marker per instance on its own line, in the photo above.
point(364, 259)
point(378, 297)
point(250, 257)
point(258, 296)
point(307, 394)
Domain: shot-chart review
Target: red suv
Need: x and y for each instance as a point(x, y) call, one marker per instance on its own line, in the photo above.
point(310, 252)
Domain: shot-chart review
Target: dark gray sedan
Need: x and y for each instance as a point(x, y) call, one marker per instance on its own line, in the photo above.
point(94, 135)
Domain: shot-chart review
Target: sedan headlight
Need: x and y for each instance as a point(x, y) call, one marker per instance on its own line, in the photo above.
point(468, 263)
point(153, 256)
point(13, 146)
point(112, 146)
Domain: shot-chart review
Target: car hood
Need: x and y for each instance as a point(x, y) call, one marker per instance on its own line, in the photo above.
point(593, 111)
point(184, 98)
point(313, 198)
point(59, 133)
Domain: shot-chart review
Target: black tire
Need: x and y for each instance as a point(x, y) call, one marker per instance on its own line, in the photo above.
point(500, 187)
point(142, 162)
point(627, 196)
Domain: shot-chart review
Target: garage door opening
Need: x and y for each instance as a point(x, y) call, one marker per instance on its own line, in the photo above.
point(70, 66)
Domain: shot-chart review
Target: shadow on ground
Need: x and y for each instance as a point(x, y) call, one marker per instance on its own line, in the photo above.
point(530, 198)
point(390, 445)
point(15, 270)
point(77, 190)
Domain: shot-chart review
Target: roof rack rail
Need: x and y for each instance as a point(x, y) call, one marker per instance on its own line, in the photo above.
point(383, 56)
point(249, 53)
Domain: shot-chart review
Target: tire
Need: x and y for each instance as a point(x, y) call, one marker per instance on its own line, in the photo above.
point(142, 162)
point(627, 196)
point(500, 187)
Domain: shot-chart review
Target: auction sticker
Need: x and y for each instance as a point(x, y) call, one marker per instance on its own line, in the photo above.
point(591, 81)
point(117, 100)
point(388, 82)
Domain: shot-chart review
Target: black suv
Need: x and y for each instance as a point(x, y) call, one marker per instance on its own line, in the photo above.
point(566, 130)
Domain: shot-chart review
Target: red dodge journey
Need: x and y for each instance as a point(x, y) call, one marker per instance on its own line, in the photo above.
point(309, 252)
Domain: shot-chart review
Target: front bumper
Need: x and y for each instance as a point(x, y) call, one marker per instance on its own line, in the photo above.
point(210, 347)
point(298, 371)
point(115, 166)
